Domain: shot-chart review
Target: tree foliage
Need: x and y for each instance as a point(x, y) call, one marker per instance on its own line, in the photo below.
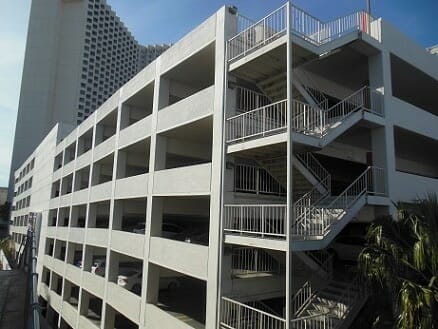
point(401, 259)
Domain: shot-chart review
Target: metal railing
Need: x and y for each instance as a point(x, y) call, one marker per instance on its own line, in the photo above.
point(258, 34)
point(253, 179)
point(256, 220)
point(324, 259)
point(355, 293)
point(262, 121)
point(317, 321)
point(315, 167)
point(32, 315)
point(337, 28)
point(306, 119)
point(246, 260)
point(303, 25)
point(243, 23)
point(301, 298)
point(248, 100)
point(316, 221)
point(314, 121)
point(236, 315)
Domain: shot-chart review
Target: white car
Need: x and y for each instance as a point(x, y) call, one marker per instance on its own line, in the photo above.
point(98, 267)
point(131, 280)
point(347, 247)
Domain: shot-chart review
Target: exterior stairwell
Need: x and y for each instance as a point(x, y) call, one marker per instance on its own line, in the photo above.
point(308, 172)
point(318, 216)
point(332, 307)
point(310, 124)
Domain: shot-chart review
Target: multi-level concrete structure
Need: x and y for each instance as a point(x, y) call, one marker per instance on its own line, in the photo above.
point(209, 189)
point(78, 53)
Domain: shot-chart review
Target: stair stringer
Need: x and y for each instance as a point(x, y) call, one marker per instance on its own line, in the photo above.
point(332, 134)
point(352, 313)
point(301, 168)
point(335, 229)
point(298, 84)
point(314, 266)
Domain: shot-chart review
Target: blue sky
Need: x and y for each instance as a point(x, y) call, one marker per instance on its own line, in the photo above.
point(158, 21)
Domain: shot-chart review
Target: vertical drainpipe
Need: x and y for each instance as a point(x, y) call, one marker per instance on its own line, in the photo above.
point(289, 212)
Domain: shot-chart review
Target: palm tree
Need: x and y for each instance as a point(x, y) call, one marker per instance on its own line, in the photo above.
point(401, 259)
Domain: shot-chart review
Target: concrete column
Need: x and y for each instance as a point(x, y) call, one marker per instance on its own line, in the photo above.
point(382, 138)
point(113, 266)
point(160, 152)
point(118, 215)
point(121, 164)
point(84, 303)
point(153, 284)
point(74, 217)
point(157, 216)
point(110, 317)
point(124, 116)
point(71, 249)
point(96, 174)
point(92, 213)
point(150, 274)
point(98, 138)
point(290, 214)
point(218, 283)
point(81, 146)
point(164, 91)
point(67, 291)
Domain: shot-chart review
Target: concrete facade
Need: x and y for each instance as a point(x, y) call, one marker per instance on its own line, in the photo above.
point(78, 53)
point(3, 195)
point(211, 189)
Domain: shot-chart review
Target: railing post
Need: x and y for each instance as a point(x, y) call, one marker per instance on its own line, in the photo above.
point(262, 218)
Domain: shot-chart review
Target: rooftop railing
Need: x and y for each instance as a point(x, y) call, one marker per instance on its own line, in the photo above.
point(303, 25)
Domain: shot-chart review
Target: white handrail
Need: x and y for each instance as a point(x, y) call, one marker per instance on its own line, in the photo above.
point(317, 321)
point(315, 167)
point(247, 260)
point(254, 179)
point(302, 298)
point(256, 220)
point(236, 315)
point(316, 220)
point(258, 122)
point(303, 25)
point(248, 99)
point(272, 118)
point(260, 33)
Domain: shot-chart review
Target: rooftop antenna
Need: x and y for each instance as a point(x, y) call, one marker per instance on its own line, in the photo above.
point(368, 7)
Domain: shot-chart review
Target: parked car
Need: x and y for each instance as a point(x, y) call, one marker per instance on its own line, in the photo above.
point(198, 238)
point(98, 266)
point(172, 231)
point(347, 247)
point(140, 228)
point(169, 283)
point(131, 280)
